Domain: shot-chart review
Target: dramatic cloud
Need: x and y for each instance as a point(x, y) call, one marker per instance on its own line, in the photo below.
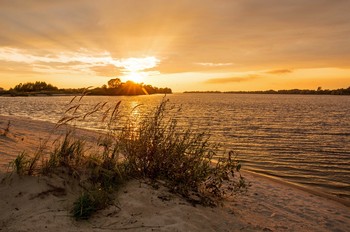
point(248, 33)
point(231, 79)
point(93, 38)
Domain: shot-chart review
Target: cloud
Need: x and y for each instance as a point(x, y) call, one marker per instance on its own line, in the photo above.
point(26, 56)
point(226, 37)
point(231, 79)
point(83, 61)
point(106, 70)
point(279, 71)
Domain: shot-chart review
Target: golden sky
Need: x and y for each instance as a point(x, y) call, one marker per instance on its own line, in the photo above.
point(183, 44)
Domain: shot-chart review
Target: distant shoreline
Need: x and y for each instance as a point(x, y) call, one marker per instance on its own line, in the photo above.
point(291, 91)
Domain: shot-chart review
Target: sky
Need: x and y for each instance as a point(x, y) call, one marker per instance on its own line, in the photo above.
point(185, 44)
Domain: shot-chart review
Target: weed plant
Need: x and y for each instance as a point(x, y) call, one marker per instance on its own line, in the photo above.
point(155, 147)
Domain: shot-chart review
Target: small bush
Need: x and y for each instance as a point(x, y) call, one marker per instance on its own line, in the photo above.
point(89, 202)
point(157, 148)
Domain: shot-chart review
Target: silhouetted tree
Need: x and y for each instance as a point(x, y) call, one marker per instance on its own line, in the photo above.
point(114, 83)
point(115, 87)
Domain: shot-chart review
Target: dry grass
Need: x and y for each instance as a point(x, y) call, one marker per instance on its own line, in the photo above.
point(153, 147)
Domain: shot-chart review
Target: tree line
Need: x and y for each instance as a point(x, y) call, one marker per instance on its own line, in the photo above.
point(34, 87)
point(113, 87)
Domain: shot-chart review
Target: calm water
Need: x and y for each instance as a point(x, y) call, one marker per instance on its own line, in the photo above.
point(301, 138)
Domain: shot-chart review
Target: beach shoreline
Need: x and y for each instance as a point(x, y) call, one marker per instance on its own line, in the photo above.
point(317, 192)
point(270, 204)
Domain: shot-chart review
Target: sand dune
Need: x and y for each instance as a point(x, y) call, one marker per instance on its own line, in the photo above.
point(43, 203)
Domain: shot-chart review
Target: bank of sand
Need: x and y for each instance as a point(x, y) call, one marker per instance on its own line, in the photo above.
point(43, 204)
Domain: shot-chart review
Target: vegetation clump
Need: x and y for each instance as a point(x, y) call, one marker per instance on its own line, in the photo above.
point(157, 148)
point(89, 202)
point(152, 146)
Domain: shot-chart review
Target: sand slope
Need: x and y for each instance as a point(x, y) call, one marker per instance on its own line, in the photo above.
point(27, 135)
point(43, 204)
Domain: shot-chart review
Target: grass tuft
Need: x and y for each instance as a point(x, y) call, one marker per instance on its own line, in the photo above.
point(20, 163)
point(89, 202)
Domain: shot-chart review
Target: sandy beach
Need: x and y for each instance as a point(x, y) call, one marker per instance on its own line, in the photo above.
point(43, 203)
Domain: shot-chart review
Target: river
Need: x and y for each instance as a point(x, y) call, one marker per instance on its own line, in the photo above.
point(303, 139)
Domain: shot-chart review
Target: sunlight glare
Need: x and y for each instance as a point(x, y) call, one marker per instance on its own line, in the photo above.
point(139, 64)
point(135, 67)
point(134, 77)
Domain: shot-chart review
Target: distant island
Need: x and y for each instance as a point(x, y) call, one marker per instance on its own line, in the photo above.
point(114, 87)
point(319, 91)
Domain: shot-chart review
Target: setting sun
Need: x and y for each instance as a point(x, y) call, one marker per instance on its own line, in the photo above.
point(135, 69)
point(135, 77)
